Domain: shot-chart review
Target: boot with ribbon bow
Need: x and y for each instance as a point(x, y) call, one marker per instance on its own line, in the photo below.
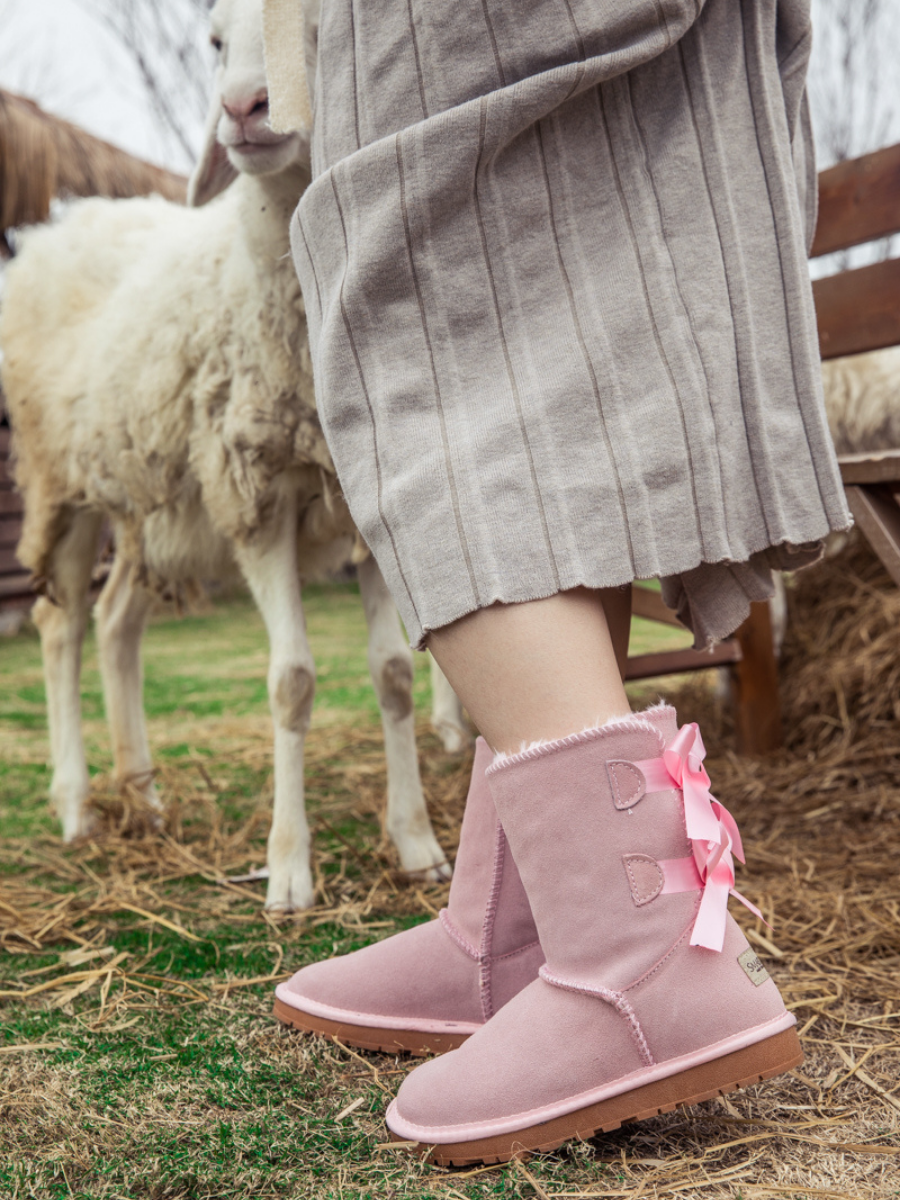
point(650, 996)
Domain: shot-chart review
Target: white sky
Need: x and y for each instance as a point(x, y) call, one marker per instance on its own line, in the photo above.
point(56, 53)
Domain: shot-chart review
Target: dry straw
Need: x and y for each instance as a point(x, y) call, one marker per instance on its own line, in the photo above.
point(821, 821)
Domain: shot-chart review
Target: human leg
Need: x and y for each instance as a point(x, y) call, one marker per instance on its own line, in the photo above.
point(650, 995)
point(548, 399)
point(524, 672)
point(538, 670)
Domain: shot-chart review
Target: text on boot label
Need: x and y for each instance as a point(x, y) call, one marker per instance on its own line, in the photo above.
point(752, 966)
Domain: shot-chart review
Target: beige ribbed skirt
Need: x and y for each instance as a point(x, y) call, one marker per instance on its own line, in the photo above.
point(554, 260)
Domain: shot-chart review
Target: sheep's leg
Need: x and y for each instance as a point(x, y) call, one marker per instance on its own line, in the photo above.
point(390, 662)
point(62, 626)
point(778, 611)
point(121, 614)
point(447, 713)
point(271, 572)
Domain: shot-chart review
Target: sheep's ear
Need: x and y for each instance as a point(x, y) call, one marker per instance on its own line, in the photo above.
point(213, 171)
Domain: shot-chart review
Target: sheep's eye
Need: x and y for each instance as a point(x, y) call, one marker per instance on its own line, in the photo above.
point(216, 43)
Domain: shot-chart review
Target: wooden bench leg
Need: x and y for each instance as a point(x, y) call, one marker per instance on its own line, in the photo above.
point(755, 681)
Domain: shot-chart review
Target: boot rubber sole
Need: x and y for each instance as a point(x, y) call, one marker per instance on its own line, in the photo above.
point(741, 1068)
point(364, 1037)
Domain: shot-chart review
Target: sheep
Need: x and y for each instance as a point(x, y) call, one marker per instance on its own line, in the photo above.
point(862, 404)
point(862, 400)
point(157, 372)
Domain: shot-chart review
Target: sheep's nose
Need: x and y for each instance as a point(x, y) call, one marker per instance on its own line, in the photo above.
point(248, 105)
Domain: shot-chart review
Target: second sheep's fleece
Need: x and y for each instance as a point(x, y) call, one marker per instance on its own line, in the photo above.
point(862, 399)
point(157, 372)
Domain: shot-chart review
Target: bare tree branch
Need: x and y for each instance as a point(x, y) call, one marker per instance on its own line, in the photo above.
point(167, 42)
point(853, 80)
point(854, 93)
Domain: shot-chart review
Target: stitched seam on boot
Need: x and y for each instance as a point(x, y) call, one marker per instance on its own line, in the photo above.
point(633, 724)
point(512, 953)
point(636, 894)
point(453, 933)
point(613, 775)
point(487, 928)
point(616, 999)
point(665, 958)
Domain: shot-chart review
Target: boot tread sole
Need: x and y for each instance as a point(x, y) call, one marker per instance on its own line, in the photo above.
point(741, 1068)
point(364, 1037)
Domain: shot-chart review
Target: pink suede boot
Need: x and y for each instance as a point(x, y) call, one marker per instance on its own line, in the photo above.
point(650, 996)
point(426, 989)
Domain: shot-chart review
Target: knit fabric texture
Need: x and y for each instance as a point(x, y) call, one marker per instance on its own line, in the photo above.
point(554, 261)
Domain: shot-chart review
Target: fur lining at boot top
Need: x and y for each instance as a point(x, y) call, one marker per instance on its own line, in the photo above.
point(626, 721)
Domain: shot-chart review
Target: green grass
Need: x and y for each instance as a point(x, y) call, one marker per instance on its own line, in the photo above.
point(176, 1083)
point(213, 664)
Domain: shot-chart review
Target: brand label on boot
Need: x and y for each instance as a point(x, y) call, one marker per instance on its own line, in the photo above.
point(752, 966)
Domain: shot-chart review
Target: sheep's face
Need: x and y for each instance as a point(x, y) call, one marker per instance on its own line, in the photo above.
point(240, 85)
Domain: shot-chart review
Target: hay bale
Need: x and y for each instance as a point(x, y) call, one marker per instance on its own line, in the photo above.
point(840, 667)
point(42, 157)
point(839, 677)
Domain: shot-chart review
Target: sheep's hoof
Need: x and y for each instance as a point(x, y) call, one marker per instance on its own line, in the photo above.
point(289, 892)
point(454, 739)
point(156, 810)
point(421, 855)
point(441, 872)
point(77, 823)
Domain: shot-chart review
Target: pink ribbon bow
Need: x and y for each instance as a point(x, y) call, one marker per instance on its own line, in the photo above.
point(714, 837)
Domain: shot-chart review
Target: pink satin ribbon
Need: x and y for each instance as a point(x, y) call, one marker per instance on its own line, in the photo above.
point(712, 830)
